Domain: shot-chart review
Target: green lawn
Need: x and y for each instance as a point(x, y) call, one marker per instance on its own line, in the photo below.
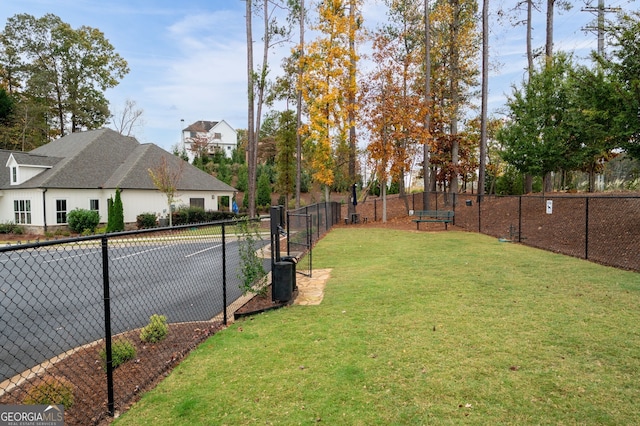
point(423, 328)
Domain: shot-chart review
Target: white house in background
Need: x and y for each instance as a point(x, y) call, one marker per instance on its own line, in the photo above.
point(217, 135)
point(83, 170)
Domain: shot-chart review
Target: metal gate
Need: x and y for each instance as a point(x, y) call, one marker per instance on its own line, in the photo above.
point(299, 241)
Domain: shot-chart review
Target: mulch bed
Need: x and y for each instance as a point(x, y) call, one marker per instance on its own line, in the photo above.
point(84, 369)
point(261, 303)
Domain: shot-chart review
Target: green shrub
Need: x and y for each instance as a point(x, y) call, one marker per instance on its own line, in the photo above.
point(50, 391)
point(156, 330)
point(10, 228)
point(115, 219)
point(146, 221)
point(121, 352)
point(263, 197)
point(191, 215)
point(80, 220)
point(252, 276)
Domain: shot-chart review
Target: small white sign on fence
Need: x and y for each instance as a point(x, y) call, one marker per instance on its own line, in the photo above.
point(549, 206)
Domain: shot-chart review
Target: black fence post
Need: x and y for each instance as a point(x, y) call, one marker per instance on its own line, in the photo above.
point(308, 220)
point(479, 202)
point(107, 326)
point(224, 274)
point(318, 217)
point(586, 230)
point(375, 210)
point(520, 218)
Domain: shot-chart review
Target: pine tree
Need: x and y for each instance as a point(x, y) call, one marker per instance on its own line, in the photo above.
point(118, 213)
point(110, 214)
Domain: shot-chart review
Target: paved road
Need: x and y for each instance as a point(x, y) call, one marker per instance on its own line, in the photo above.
point(51, 298)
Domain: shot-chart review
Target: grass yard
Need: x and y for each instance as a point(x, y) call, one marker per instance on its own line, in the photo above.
point(423, 328)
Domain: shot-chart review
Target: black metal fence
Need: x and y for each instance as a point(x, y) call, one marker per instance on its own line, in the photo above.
point(600, 228)
point(65, 303)
point(305, 226)
point(603, 229)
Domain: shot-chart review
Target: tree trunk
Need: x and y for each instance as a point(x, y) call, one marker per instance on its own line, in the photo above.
point(426, 148)
point(528, 178)
point(453, 87)
point(251, 139)
point(485, 91)
point(548, 178)
point(352, 100)
point(299, 111)
point(383, 188)
point(549, 43)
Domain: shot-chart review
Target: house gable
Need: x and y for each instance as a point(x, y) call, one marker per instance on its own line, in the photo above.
point(23, 166)
point(220, 136)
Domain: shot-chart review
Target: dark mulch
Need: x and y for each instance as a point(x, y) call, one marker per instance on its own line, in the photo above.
point(84, 369)
point(261, 303)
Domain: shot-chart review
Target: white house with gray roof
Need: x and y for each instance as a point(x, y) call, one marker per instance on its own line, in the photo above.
point(209, 137)
point(83, 170)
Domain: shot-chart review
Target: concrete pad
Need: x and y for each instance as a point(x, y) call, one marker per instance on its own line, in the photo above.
point(311, 290)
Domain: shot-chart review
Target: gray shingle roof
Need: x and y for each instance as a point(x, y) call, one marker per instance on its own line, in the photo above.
point(201, 126)
point(105, 159)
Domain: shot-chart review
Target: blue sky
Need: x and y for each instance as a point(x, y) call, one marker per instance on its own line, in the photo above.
point(187, 58)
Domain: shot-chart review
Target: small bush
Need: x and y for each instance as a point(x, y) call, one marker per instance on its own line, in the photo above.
point(121, 352)
point(156, 330)
point(80, 220)
point(146, 221)
point(191, 215)
point(50, 391)
point(10, 228)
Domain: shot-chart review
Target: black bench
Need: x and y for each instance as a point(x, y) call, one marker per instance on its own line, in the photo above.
point(444, 216)
point(355, 218)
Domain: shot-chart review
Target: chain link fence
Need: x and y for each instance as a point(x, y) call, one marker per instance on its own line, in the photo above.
point(305, 226)
point(65, 305)
point(600, 228)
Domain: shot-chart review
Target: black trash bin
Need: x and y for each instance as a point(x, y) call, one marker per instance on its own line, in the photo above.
point(282, 281)
point(293, 260)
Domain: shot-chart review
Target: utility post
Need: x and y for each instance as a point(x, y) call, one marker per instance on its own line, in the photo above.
point(600, 10)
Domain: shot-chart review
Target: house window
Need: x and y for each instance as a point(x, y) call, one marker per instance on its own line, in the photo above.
point(61, 211)
point(14, 175)
point(94, 205)
point(217, 135)
point(196, 202)
point(22, 211)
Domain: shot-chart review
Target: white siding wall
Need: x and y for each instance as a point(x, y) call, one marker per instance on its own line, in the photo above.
point(33, 195)
point(76, 199)
point(134, 202)
point(26, 173)
point(228, 135)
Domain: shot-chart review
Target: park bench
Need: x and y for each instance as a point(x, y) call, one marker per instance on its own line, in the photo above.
point(444, 216)
point(355, 218)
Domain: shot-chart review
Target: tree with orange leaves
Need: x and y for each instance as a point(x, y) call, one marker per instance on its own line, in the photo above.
point(394, 110)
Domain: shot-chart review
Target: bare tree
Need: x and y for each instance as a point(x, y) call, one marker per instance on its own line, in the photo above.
point(166, 177)
point(129, 118)
point(199, 146)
